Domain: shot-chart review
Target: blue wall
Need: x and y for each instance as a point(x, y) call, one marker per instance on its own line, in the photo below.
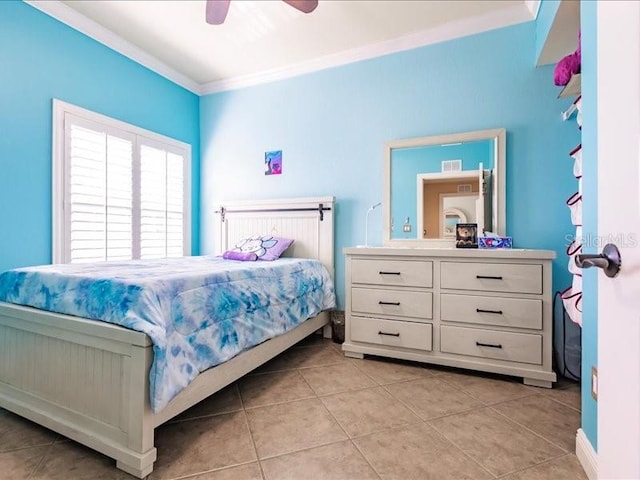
point(588, 23)
point(331, 126)
point(407, 163)
point(41, 59)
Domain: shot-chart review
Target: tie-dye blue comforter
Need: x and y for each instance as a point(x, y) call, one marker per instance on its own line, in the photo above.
point(198, 311)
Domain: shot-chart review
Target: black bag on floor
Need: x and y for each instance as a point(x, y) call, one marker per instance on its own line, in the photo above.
point(567, 342)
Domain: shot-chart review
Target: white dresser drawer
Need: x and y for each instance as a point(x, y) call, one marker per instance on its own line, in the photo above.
point(392, 332)
point(500, 311)
point(484, 310)
point(413, 273)
point(416, 306)
point(492, 277)
point(509, 346)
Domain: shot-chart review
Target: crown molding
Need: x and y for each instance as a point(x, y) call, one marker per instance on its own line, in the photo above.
point(449, 31)
point(79, 22)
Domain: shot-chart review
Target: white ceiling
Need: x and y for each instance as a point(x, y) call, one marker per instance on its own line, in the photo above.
point(268, 39)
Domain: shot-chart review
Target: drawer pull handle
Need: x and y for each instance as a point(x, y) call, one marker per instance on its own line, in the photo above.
point(389, 273)
point(488, 345)
point(497, 312)
point(489, 277)
point(388, 334)
point(397, 304)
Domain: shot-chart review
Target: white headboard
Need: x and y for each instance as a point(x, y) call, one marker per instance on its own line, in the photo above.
point(307, 220)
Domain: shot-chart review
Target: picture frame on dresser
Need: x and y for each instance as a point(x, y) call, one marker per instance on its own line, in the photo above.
point(467, 235)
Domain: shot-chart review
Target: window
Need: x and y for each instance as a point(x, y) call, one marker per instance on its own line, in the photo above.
point(119, 192)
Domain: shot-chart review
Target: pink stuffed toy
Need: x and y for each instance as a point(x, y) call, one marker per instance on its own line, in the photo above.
point(567, 67)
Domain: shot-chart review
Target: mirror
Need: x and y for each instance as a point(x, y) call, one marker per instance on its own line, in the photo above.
point(433, 183)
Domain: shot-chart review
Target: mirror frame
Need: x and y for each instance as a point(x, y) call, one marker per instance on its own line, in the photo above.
point(498, 135)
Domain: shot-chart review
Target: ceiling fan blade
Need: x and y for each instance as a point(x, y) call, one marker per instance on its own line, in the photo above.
point(306, 6)
point(217, 11)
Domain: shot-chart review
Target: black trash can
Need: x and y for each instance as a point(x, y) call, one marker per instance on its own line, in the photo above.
point(337, 325)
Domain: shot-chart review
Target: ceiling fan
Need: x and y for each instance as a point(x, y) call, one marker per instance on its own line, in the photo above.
point(217, 9)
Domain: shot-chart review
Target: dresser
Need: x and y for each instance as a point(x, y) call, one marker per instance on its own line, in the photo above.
point(488, 310)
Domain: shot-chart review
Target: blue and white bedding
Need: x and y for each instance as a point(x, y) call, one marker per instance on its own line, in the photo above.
point(198, 311)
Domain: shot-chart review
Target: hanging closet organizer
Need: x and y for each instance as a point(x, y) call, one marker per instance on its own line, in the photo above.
point(572, 295)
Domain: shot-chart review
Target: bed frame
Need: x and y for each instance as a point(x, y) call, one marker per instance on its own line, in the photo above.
point(89, 380)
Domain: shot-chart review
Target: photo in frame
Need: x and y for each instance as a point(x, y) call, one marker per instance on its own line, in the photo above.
point(273, 163)
point(467, 235)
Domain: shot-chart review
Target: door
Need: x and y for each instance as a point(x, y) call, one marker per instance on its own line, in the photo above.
point(618, 63)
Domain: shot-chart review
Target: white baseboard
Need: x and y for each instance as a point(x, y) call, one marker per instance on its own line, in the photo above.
point(586, 455)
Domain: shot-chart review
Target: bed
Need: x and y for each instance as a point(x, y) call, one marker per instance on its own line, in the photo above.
point(89, 380)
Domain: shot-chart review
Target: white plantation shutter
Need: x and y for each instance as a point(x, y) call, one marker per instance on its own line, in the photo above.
point(119, 199)
point(119, 193)
point(161, 203)
point(99, 193)
point(153, 202)
point(175, 205)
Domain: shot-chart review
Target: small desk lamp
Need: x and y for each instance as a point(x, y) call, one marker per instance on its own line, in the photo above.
point(366, 223)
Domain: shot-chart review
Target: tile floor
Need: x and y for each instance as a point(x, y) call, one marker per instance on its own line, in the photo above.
point(313, 414)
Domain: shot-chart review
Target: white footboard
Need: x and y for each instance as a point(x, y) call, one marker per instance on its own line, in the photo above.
point(89, 380)
point(86, 380)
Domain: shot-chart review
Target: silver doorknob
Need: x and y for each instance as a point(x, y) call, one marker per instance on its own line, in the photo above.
point(609, 260)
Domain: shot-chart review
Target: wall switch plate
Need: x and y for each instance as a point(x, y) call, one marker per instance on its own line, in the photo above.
point(594, 383)
point(406, 228)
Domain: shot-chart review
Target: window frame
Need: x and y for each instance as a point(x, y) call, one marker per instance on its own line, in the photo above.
point(60, 246)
